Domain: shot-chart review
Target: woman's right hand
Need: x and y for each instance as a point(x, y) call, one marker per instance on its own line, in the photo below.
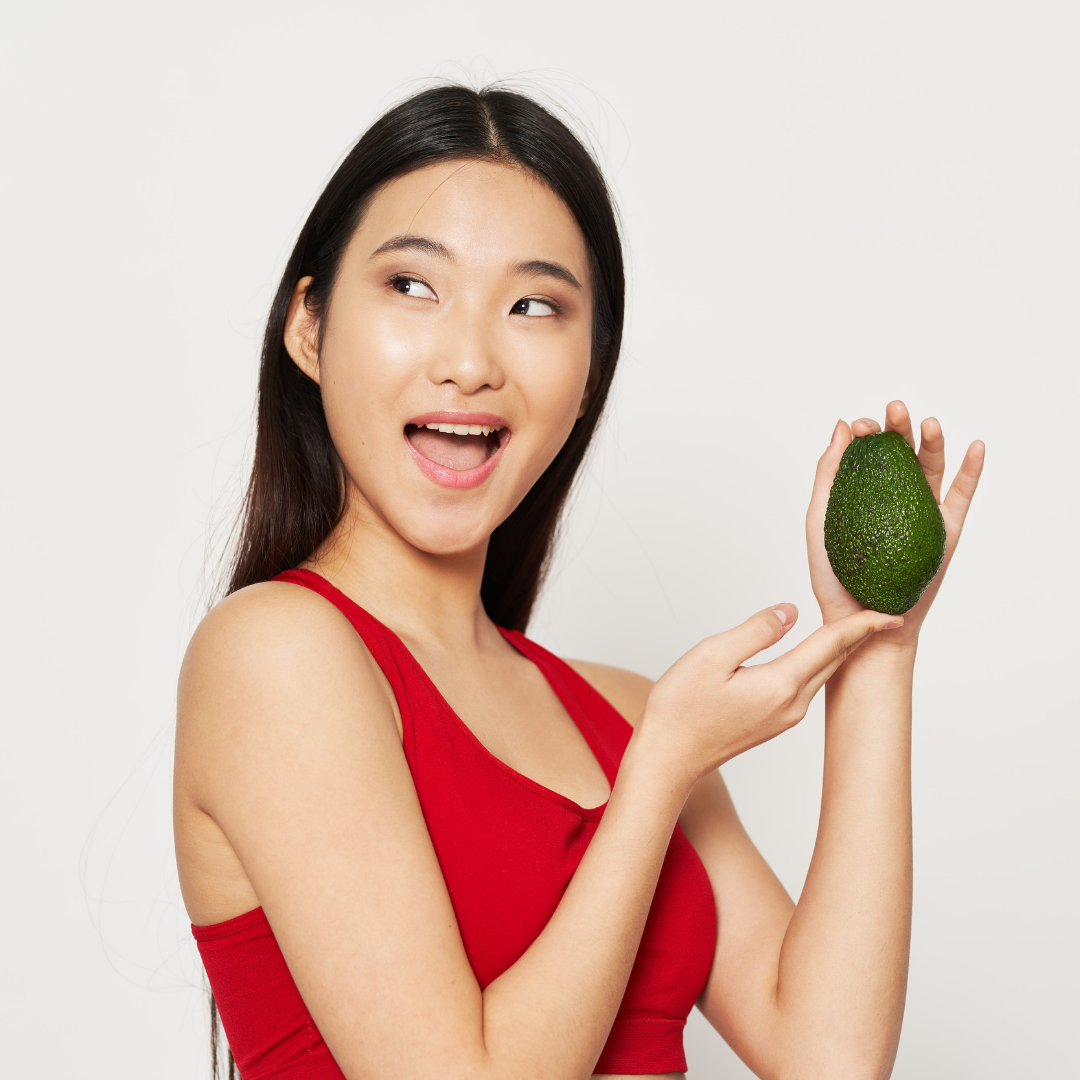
point(707, 707)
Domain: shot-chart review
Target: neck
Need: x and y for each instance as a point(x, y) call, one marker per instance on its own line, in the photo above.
point(422, 597)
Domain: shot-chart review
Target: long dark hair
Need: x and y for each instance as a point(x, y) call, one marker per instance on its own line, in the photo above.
point(296, 493)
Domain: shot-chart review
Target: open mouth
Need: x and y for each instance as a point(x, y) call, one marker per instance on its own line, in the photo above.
point(460, 447)
point(455, 454)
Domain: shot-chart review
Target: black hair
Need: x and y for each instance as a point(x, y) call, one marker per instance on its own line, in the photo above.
point(295, 496)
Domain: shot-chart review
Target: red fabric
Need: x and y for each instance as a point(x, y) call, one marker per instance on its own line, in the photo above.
point(508, 848)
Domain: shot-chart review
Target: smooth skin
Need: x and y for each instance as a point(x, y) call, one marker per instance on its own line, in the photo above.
point(292, 790)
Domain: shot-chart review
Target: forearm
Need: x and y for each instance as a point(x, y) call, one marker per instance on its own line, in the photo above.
point(550, 1013)
point(842, 972)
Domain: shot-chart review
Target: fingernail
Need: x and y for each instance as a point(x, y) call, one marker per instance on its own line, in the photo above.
point(893, 624)
point(835, 432)
point(783, 615)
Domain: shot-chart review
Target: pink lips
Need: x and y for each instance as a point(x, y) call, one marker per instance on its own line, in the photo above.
point(463, 478)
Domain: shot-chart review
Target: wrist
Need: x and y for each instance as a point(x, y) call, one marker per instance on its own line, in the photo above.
point(894, 646)
point(652, 764)
point(881, 659)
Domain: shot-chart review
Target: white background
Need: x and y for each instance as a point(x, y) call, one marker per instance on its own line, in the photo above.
point(826, 206)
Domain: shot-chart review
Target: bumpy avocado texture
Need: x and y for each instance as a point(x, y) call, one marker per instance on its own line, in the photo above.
point(883, 529)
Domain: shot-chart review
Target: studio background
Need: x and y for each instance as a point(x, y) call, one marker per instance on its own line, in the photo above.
point(825, 207)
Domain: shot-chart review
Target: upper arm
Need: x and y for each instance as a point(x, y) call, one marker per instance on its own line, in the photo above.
point(753, 909)
point(291, 746)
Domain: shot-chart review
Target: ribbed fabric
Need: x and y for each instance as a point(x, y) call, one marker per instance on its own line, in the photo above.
point(636, 1043)
point(508, 847)
point(266, 1021)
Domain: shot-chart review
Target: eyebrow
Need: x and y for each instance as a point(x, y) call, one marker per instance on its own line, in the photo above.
point(424, 244)
point(408, 242)
point(543, 268)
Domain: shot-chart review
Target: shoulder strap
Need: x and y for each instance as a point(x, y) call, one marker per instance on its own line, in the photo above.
point(604, 727)
point(371, 631)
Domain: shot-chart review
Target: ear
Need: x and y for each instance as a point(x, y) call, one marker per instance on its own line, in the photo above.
point(590, 388)
point(302, 332)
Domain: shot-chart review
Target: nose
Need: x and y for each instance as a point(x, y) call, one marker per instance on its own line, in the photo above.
point(467, 353)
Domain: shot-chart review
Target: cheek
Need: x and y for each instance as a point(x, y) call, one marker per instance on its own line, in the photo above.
point(555, 390)
point(368, 358)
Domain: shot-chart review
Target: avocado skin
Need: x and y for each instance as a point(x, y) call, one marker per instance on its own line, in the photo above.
point(883, 530)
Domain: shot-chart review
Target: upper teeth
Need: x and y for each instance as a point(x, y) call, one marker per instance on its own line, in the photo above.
point(463, 429)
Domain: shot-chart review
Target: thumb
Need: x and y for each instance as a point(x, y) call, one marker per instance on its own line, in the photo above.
point(826, 473)
point(757, 633)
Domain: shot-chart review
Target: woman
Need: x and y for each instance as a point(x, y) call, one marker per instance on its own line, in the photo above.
point(533, 870)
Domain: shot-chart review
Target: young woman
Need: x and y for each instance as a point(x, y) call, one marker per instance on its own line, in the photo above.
point(412, 842)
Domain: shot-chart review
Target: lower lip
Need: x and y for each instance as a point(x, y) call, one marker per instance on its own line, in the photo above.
point(452, 478)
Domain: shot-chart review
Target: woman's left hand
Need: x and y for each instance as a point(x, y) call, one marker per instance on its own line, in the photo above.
point(835, 601)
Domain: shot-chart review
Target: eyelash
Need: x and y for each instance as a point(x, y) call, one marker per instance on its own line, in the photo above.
point(555, 307)
point(397, 278)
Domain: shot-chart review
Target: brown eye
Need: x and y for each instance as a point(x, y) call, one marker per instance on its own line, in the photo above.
point(533, 307)
point(413, 287)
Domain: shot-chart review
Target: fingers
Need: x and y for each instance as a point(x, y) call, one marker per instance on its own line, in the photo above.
point(758, 632)
point(897, 419)
point(932, 454)
point(932, 449)
point(826, 470)
point(811, 662)
point(962, 489)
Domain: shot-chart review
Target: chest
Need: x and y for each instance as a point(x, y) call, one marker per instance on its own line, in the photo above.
point(508, 847)
point(511, 709)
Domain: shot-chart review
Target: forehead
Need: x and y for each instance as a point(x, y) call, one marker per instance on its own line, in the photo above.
point(478, 209)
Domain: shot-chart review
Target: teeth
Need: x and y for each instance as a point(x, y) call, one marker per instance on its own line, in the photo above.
point(463, 429)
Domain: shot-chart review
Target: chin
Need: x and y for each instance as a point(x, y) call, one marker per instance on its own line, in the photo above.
point(446, 536)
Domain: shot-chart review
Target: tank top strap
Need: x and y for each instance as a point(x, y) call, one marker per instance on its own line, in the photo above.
point(420, 702)
point(379, 640)
point(605, 729)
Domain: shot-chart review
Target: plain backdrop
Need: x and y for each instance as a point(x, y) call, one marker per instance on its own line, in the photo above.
point(825, 206)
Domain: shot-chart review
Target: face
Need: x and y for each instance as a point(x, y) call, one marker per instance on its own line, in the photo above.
point(455, 349)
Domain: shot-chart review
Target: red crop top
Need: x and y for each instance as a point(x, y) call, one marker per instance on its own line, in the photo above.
point(508, 848)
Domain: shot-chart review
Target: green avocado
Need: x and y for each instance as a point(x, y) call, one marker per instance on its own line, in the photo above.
point(883, 529)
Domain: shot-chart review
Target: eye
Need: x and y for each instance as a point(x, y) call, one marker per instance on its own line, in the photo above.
point(534, 307)
point(410, 286)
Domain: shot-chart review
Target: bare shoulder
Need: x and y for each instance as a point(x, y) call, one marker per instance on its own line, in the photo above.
point(626, 690)
point(264, 667)
point(260, 621)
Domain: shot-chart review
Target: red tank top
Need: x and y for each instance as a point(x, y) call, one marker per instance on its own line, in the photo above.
point(508, 848)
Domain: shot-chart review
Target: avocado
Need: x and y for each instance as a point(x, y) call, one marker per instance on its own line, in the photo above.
point(883, 529)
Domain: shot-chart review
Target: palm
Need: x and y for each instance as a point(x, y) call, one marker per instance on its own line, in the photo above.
point(834, 599)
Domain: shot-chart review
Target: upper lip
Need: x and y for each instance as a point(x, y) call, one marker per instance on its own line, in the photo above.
point(447, 416)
